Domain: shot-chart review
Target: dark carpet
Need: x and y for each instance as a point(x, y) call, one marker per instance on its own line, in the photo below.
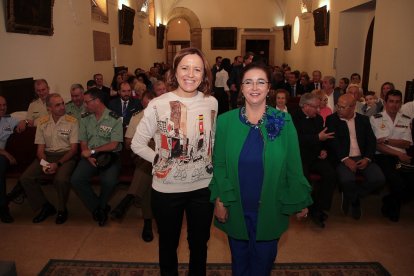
point(94, 268)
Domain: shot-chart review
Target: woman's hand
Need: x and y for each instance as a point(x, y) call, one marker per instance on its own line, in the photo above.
point(302, 214)
point(220, 212)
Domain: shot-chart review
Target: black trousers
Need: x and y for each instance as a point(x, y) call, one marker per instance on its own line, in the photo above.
point(323, 193)
point(168, 210)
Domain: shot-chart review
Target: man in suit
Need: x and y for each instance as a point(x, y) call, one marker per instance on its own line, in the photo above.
point(353, 149)
point(316, 82)
point(311, 135)
point(234, 81)
point(124, 106)
point(106, 91)
point(328, 86)
point(215, 68)
point(293, 86)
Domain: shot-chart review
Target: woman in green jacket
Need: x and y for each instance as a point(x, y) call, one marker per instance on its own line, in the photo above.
point(258, 180)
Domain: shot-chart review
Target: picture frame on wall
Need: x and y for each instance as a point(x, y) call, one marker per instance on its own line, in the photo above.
point(287, 37)
point(30, 17)
point(223, 38)
point(321, 26)
point(126, 25)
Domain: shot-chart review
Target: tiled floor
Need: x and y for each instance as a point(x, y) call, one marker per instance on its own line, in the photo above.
point(373, 238)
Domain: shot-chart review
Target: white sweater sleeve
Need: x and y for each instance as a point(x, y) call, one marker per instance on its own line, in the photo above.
point(145, 131)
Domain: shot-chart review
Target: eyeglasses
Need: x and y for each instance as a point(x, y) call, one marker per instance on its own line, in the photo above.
point(260, 83)
point(88, 101)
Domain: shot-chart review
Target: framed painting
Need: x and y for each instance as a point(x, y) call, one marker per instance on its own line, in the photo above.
point(30, 17)
point(126, 25)
point(223, 38)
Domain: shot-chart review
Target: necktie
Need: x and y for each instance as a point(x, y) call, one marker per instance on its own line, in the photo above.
point(317, 85)
point(124, 109)
point(294, 90)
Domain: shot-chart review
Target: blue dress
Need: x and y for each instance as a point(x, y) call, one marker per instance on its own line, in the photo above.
point(251, 257)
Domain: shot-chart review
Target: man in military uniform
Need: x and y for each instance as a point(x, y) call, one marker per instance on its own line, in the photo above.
point(38, 107)
point(140, 188)
point(393, 132)
point(57, 145)
point(100, 137)
point(7, 126)
point(75, 107)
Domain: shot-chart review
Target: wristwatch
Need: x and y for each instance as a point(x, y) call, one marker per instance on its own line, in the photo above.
point(93, 152)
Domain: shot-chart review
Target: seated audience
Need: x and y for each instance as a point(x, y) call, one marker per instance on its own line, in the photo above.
point(305, 82)
point(106, 91)
point(353, 149)
point(356, 92)
point(343, 84)
point(7, 127)
point(140, 188)
point(159, 88)
point(38, 108)
point(124, 106)
point(57, 146)
point(356, 79)
point(101, 137)
point(333, 94)
point(75, 106)
point(91, 84)
point(312, 134)
point(316, 82)
point(385, 88)
point(393, 132)
point(370, 106)
point(292, 86)
point(116, 82)
point(281, 98)
point(408, 109)
point(324, 109)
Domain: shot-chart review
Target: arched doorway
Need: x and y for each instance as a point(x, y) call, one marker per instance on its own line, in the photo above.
point(193, 22)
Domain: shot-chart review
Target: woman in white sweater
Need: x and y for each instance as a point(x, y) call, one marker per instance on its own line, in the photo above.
point(182, 123)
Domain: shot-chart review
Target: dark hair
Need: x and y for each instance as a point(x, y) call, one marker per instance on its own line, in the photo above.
point(356, 75)
point(370, 93)
point(95, 93)
point(346, 81)
point(90, 83)
point(114, 83)
point(147, 82)
point(259, 66)
point(393, 93)
point(218, 57)
point(97, 74)
point(382, 87)
point(205, 85)
point(272, 99)
point(148, 94)
point(247, 55)
point(225, 64)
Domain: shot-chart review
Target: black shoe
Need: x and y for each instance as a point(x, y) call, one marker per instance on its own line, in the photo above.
point(122, 207)
point(61, 217)
point(47, 210)
point(318, 218)
point(5, 216)
point(101, 215)
point(345, 204)
point(356, 210)
point(16, 195)
point(147, 234)
point(390, 209)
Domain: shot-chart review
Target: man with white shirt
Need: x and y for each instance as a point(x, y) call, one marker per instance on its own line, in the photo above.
point(353, 149)
point(393, 132)
point(328, 86)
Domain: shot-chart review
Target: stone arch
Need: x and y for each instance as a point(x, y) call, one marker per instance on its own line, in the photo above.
point(193, 21)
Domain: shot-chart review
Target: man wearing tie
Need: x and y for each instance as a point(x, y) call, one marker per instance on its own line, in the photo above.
point(124, 106)
point(316, 82)
point(293, 86)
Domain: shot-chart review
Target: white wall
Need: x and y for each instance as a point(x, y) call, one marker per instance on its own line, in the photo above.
point(67, 56)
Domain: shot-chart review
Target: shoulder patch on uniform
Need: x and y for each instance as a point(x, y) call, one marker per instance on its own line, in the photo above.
point(86, 114)
point(70, 118)
point(113, 114)
point(136, 113)
point(43, 119)
point(378, 115)
point(405, 116)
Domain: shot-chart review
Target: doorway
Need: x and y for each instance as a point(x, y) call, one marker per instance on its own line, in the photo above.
point(262, 45)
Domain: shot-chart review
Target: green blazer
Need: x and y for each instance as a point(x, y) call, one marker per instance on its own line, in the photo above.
point(285, 190)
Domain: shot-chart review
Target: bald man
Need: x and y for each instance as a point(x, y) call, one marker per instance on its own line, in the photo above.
point(353, 148)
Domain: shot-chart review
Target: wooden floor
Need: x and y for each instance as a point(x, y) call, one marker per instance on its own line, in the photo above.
point(373, 238)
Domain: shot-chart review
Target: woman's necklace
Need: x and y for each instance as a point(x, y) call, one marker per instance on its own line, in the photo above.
point(246, 120)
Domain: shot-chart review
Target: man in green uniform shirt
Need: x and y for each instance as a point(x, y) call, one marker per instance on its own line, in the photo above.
point(75, 107)
point(100, 136)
